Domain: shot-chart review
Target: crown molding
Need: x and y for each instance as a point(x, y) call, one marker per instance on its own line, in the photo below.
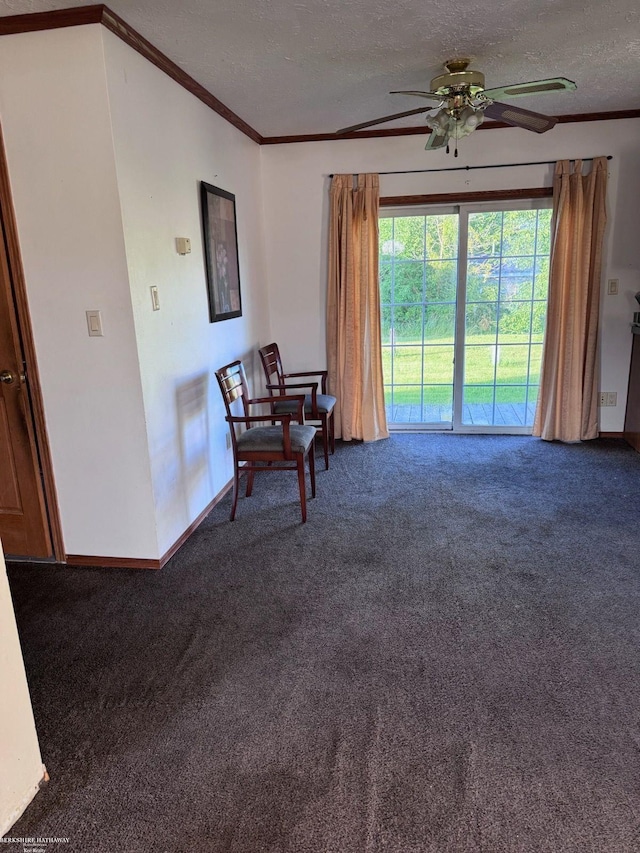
point(101, 14)
point(128, 35)
point(415, 131)
point(35, 21)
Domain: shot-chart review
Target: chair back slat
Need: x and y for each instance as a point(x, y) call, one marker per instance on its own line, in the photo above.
point(272, 363)
point(233, 391)
point(233, 384)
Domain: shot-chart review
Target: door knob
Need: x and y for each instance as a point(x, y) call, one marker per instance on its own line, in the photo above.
point(7, 377)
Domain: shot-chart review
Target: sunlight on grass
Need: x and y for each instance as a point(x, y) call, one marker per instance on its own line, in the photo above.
point(405, 363)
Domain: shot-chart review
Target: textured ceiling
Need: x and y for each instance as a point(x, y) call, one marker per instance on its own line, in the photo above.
point(312, 66)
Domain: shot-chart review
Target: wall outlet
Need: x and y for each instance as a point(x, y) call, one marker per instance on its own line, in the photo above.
point(608, 398)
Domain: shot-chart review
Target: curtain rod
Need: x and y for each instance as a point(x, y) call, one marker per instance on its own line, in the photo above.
point(469, 168)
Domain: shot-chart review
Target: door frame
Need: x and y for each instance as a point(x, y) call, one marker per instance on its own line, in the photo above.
point(34, 388)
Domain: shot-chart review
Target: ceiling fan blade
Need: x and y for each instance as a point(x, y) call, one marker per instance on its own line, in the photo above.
point(517, 117)
point(436, 139)
point(535, 87)
point(381, 120)
point(433, 96)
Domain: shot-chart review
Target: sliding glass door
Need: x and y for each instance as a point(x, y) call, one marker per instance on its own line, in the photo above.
point(464, 297)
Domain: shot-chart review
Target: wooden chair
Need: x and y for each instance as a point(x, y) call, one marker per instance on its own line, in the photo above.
point(317, 407)
point(259, 445)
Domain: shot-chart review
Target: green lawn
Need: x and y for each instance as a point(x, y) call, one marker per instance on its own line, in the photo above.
point(518, 366)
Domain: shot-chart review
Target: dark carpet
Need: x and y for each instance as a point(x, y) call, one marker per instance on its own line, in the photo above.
point(444, 658)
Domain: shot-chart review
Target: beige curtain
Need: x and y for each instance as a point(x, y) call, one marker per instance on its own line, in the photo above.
point(567, 403)
point(354, 350)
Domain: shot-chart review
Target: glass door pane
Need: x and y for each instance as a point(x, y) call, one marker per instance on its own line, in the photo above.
point(418, 283)
point(505, 313)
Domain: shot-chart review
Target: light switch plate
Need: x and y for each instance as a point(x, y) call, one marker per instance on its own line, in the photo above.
point(155, 299)
point(612, 287)
point(94, 324)
point(183, 245)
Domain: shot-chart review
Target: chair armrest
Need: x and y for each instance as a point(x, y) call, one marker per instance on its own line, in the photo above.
point(287, 398)
point(259, 419)
point(284, 398)
point(314, 394)
point(297, 385)
point(322, 373)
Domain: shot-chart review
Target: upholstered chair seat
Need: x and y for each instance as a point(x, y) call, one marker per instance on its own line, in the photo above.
point(269, 439)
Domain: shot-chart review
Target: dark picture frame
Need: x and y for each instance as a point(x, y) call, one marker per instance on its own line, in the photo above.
point(220, 235)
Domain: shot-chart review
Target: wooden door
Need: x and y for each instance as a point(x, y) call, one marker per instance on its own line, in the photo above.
point(24, 526)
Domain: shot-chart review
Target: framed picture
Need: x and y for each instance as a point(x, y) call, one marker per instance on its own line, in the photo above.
point(221, 252)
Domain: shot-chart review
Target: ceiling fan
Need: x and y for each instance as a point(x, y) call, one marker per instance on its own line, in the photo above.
point(463, 102)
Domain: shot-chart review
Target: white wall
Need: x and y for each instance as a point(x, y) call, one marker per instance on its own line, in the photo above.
point(21, 768)
point(295, 180)
point(166, 142)
point(105, 154)
point(55, 120)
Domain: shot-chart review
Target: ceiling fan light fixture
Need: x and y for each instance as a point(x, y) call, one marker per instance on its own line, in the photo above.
point(466, 122)
point(456, 124)
point(440, 121)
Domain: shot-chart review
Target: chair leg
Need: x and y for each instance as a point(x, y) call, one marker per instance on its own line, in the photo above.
point(325, 440)
point(302, 485)
point(236, 486)
point(250, 476)
point(332, 430)
point(312, 469)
